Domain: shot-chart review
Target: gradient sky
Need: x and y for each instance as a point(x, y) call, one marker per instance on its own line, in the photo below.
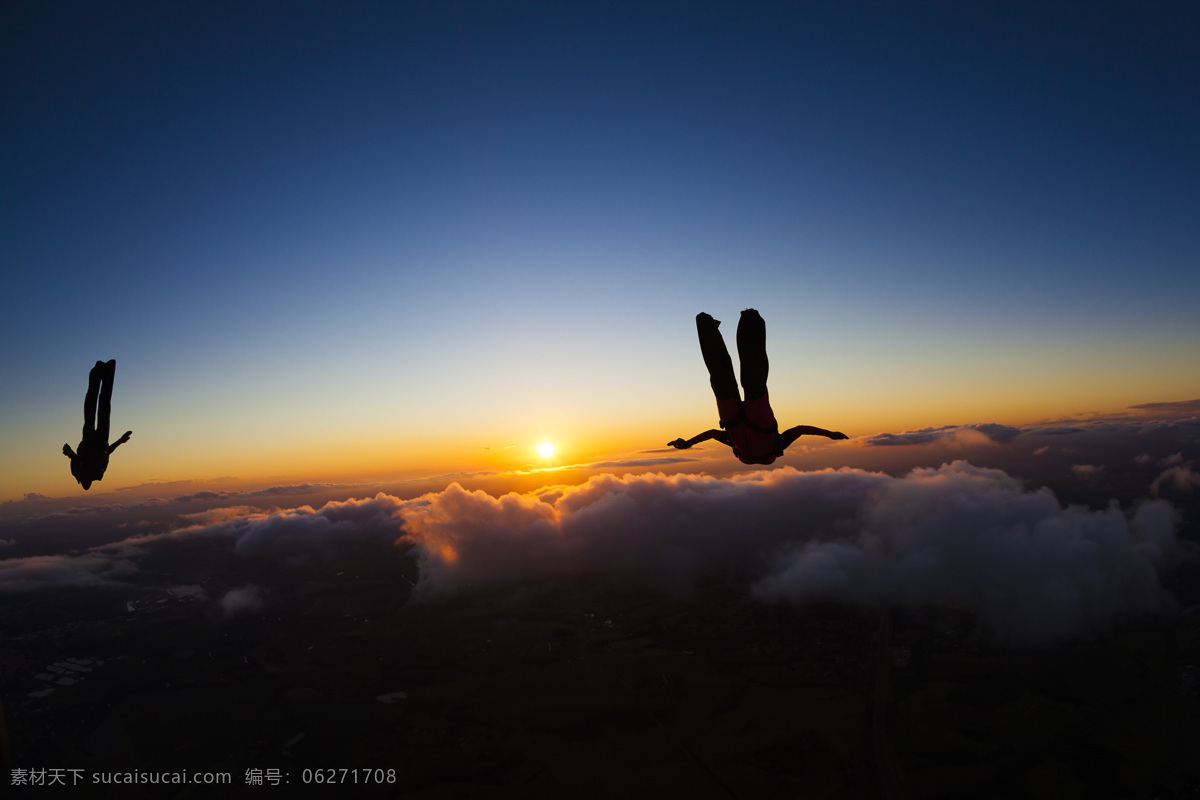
point(325, 239)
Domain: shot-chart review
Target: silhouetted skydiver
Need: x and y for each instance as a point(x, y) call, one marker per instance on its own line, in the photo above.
point(750, 426)
point(89, 463)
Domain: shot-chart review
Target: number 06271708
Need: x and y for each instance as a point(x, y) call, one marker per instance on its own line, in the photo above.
point(344, 776)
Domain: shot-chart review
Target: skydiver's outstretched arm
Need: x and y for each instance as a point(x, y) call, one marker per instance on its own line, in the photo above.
point(792, 434)
point(120, 441)
point(67, 451)
point(719, 435)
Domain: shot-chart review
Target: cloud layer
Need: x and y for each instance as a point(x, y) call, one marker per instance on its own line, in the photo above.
point(981, 432)
point(296, 535)
point(974, 538)
point(958, 535)
point(57, 572)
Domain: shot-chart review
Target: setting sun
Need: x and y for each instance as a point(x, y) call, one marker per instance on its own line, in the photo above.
point(545, 450)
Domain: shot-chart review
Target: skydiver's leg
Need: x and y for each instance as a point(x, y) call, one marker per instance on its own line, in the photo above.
point(89, 401)
point(720, 367)
point(752, 352)
point(106, 388)
point(716, 358)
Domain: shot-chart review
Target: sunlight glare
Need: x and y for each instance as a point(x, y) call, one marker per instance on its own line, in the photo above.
point(545, 450)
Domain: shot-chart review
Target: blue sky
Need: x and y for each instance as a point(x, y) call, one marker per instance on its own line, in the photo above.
point(394, 234)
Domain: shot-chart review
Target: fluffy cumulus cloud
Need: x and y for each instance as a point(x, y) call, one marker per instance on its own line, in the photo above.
point(958, 535)
point(666, 529)
point(975, 538)
point(302, 531)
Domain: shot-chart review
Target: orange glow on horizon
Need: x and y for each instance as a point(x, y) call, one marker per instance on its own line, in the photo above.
point(500, 449)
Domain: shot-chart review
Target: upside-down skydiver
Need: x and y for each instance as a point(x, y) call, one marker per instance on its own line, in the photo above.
point(89, 464)
point(749, 427)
